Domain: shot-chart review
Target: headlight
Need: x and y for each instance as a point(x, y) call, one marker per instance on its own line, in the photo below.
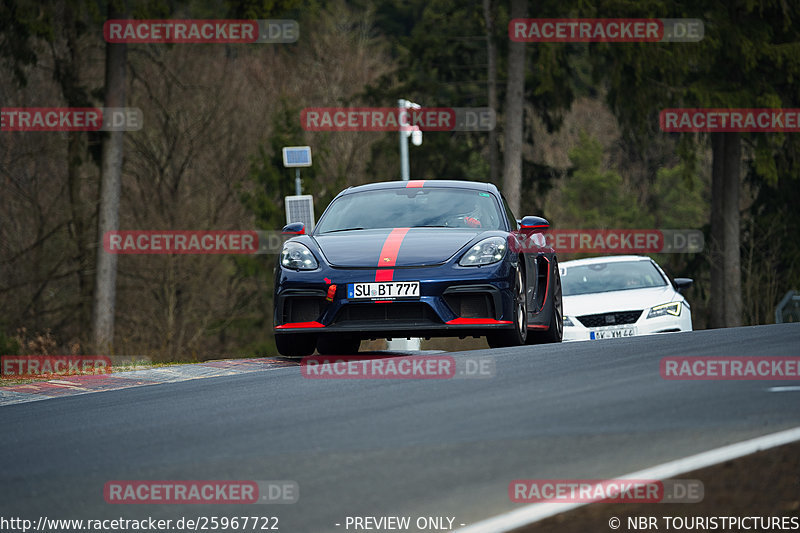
point(568, 322)
point(297, 257)
point(486, 252)
point(672, 308)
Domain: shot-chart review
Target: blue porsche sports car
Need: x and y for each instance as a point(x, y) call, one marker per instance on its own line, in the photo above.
point(416, 259)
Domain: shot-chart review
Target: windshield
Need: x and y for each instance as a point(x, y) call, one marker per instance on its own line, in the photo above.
point(606, 277)
point(408, 208)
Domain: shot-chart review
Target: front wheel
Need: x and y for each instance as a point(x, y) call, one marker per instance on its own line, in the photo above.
point(295, 344)
point(518, 335)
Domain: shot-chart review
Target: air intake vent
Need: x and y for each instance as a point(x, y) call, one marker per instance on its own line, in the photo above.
point(408, 312)
point(470, 305)
point(302, 309)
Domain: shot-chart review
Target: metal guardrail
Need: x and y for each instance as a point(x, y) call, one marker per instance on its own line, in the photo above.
point(788, 310)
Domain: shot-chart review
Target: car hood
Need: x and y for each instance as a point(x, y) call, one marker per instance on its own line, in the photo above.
point(419, 246)
point(628, 300)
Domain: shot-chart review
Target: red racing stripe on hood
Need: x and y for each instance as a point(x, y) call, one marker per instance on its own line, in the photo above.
point(388, 257)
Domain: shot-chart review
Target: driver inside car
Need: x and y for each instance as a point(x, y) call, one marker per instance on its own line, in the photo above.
point(469, 216)
point(472, 222)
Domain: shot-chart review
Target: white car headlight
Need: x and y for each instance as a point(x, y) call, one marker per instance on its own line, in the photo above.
point(488, 251)
point(672, 308)
point(568, 322)
point(297, 256)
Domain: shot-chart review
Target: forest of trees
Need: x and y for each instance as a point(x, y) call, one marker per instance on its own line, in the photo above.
point(577, 141)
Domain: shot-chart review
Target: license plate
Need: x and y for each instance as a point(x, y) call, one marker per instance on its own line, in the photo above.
point(383, 290)
point(612, 333)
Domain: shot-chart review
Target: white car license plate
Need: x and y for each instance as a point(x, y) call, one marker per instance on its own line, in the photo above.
point(383, 290)
point(612, 333)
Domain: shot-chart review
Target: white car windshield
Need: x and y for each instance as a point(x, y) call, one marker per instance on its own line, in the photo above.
point(607, 277)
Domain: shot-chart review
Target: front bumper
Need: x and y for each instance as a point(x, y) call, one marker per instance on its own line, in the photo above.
point(454, 301)
point(643, 326)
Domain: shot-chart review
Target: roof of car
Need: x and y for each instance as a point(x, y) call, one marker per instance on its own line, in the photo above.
point(604, 259)
point(454, 184)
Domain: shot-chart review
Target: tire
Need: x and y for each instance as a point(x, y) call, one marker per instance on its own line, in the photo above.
point(555, 332)
point(295, 344)
point(517, 336)
point(334, 345)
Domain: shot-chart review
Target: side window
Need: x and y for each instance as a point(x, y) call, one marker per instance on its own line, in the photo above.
point(512, 220)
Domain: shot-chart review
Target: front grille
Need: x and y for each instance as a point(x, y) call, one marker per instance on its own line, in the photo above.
point(470, 305)
point(610, 319)
point(408, 312)
point(302, 308)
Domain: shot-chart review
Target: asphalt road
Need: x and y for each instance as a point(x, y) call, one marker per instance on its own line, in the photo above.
point(442, 448)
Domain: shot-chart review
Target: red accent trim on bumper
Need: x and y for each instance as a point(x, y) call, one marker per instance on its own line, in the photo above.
point(291, 325)
point(463, 321)
point(538, 326)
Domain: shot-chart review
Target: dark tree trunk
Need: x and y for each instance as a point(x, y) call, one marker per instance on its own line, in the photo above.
point(717, 302)
point(108, 214)
point(512, 162)
point(731, 248)
point(491, 53)
point(80, 227)
point(725, 245)
point(67, 73)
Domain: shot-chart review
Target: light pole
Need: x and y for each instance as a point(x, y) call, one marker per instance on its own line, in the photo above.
point(416, 138)
point(406, 132)
point(296, 156)
point(299, 208)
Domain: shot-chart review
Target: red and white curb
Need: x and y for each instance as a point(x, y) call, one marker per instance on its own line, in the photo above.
point(85, 384)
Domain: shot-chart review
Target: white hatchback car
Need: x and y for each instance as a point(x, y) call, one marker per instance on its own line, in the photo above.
point(621, 296)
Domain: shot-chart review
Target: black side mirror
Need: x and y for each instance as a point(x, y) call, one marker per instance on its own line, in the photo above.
point(295, 228)
point(682, 284)
point(533, 224)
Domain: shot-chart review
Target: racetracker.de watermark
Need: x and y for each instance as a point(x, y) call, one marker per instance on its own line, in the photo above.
point(615, 241)
point(165, 242)
point(606, 490)
point(758, 120)
point(605, 30)
point(382, 367)
point(424, 119)
point(149, 242)
point(39, 366)
point(201, 492)
point(192, 31)
point(730, 368)
point(71, 119)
